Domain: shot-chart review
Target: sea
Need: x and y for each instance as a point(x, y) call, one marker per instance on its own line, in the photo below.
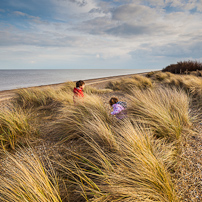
point(13, 79)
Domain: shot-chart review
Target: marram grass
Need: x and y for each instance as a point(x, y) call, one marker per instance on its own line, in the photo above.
point(72, 120)
point(69, 86)
point(16, 126)
point(112, 160)
point(104, 159)
point(135, 169)
point(126, 84)
point(27, 179)
point(166, 111)
point(51, 98)
point(48, 98)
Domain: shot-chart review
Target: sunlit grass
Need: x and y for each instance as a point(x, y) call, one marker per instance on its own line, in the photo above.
point(125, 85)
point(71, 119)
point(102, 158)
point(166, 111)
point(129, 167)
point(69, 86)
point(25, 178)
point(35, 97)
point(16, 125)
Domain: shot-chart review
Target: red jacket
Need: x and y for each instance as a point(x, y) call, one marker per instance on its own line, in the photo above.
point(78, 93)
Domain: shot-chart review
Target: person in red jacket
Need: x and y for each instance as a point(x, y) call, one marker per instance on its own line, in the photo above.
point(78, 90)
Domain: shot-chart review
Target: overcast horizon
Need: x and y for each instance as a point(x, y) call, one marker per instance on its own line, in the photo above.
point(85, 34)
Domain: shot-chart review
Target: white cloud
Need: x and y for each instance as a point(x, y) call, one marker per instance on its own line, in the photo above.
point(134, 13)
point(76, 10)
point(94, 30)
point(199, 6)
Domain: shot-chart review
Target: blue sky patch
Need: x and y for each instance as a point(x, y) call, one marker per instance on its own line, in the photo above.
point(127, 34)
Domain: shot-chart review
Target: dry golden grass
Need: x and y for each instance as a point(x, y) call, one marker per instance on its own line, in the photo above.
point(69, 86)
point(149, 74)
point(27, 179)
point(189, 83)
point(160, 76)
point(16, 126)
point(112, 160)
point(166, 111)
point(193, 84)
point(118, 163)
point(125, 85)
point(49, 98)
point(102, 159)
point(72, 119)
point(91, 90)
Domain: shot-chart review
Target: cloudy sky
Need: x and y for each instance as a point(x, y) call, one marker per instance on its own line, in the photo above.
point(57, 34)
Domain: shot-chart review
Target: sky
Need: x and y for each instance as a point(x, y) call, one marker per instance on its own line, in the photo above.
point(99, 34)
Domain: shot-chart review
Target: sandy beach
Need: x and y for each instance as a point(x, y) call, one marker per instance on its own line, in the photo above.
point(98, 83)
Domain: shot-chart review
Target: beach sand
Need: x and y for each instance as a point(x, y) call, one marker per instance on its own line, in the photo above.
point(98, 83)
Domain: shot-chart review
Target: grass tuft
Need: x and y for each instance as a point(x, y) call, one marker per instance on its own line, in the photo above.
point(48, 98)
point(16, 125)
point(166, 111)
point(27, 179)
point(72, 119)
point(135, 170)
point(69, 86)
point(125, 85)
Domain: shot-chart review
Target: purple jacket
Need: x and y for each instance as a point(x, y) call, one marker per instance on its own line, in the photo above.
point(117, 110)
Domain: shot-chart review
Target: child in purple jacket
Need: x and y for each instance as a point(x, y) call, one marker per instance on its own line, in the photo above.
point(119, 108)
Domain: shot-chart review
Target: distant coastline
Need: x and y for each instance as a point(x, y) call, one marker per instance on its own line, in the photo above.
point(15, 79)
point(97, 82)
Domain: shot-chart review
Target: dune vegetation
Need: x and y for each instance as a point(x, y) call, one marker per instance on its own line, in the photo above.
point(126, 84)
point(183, 67)
point(83, 153)
point(16, 127)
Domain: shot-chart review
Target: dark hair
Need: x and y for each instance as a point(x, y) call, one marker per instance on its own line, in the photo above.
point(79, 83)
point(113, 100)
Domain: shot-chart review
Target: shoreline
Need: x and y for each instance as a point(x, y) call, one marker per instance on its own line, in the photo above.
point(97, 82)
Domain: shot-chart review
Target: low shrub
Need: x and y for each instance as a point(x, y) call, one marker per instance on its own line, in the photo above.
point(182, 67)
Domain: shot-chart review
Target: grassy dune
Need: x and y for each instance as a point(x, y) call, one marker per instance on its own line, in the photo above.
point(165, 111)
point(96, 157)
point(16, 127)
point(127, 84)
point(27, 179)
